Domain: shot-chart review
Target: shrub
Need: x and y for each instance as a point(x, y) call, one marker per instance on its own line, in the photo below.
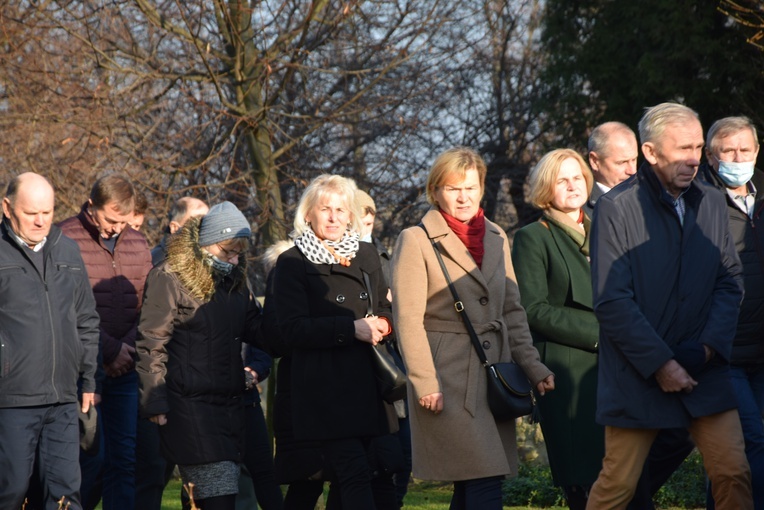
point(687, 486)
point(532, 487)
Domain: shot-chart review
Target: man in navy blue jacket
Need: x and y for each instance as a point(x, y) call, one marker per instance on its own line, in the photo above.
point(667, 290)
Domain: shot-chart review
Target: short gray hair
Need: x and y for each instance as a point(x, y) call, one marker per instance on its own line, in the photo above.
point(600, 136)
point(321, 186)
point(728, 126)
point(653, 123)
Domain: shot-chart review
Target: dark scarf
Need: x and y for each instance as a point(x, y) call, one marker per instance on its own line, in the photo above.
point(470, 233)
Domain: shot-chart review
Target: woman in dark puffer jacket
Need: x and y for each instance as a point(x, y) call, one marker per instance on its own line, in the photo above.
point(197, 310)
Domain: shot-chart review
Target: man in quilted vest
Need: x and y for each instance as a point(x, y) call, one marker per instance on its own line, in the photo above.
point(118, 260)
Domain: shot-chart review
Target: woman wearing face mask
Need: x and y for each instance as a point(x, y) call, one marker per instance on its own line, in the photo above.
point(322, 290)
point(551, 257)
point(197, 310)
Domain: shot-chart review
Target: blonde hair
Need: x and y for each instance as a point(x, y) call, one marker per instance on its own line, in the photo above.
point(454, 163)
point(544, 175)
point(320, 187)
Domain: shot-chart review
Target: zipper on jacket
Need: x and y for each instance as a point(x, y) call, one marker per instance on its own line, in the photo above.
point(46, 260)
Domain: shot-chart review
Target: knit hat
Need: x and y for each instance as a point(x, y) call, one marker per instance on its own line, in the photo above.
point(223, 222)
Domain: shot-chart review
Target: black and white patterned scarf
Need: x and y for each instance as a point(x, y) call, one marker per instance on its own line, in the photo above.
point(315, 251)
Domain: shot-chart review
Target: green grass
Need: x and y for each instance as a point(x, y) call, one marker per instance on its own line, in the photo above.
point(421, 496)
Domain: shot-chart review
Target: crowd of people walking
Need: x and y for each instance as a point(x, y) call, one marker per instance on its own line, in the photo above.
point(633, 306)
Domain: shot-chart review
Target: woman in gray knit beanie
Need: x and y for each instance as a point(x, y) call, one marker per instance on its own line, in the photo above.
point(196, 312)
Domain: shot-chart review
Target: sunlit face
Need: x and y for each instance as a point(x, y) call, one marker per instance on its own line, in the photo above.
point(31, 213)
point(136, 221)
point(569, 187)
point(460, 199)
point(228, 251)
point(676, 155)
point(617, 162)
point(367, 224)
point(329, 217)
point(740, 147)
point(109, 220)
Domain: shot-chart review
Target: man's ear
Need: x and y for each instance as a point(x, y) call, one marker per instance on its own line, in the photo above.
point(174, 226)
point(7, 207)
point(650, 153)
point(594, 161)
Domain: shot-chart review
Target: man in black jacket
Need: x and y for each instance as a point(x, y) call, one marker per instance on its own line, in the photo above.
point(731, 152)
point(49, 337)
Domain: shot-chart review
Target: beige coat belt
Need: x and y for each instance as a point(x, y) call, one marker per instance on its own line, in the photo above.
point(476, 385)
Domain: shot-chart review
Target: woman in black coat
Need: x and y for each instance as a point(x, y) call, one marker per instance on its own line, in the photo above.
point(197, 310)
point(321, 300)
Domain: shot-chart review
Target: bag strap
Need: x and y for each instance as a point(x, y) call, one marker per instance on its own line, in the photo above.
point(367, 283)
point(458, 304)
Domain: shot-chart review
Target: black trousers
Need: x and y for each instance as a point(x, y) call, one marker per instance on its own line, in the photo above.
point(477, 494)
point(258, 458)
point(48, 436)
point(348, 462)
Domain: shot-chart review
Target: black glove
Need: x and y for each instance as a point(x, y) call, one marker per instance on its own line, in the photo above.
point(691, 355)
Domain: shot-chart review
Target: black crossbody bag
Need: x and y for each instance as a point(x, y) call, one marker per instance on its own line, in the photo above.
point(510, 394)
point(391, 381)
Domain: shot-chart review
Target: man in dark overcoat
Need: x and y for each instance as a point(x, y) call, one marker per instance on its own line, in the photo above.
point(667, 289)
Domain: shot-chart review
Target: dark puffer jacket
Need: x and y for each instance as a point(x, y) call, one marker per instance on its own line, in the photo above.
point(189, 347)
point(117, 279)
point(748, 236)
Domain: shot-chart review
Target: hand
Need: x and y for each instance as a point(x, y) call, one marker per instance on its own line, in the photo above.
point(432, 402)
point(123, 363)
point(546, 384)
point(250, 382)
point(709, 352)
point(370, 329)
point(88, 399)
point(673, 378)
point(159, 419)
point(254, 374)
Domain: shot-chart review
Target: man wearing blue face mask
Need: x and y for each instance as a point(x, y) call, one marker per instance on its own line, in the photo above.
point(731, 153)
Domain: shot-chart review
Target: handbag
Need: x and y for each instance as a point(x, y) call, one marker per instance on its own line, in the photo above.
point(510, 394)
point(391, 381)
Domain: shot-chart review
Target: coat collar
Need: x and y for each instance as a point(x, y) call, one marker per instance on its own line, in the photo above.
point(454, 248)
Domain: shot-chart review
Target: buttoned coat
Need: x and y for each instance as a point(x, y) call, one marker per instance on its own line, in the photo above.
point(333, 389)
point(556, 290)
point(463, 442)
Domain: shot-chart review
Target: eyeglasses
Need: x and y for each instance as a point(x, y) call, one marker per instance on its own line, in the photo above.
point(228, 254)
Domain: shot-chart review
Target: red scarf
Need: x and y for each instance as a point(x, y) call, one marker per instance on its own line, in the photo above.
point(470, 233)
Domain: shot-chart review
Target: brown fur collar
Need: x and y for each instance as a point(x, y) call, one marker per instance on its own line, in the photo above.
point(186, 260)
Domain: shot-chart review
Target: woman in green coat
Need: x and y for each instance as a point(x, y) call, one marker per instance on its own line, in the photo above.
point(551, 259)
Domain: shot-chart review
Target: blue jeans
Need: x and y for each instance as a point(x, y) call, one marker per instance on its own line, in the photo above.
point(115, 463)
point(748, 384)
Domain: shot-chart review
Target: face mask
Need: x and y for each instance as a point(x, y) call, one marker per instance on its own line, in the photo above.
point(366, 238)
point(217, 264)
point(735, 174)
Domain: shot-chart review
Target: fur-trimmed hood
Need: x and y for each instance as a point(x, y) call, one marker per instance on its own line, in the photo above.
point(186, 259)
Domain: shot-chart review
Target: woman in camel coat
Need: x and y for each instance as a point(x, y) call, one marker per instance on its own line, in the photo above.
point(454, 435)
